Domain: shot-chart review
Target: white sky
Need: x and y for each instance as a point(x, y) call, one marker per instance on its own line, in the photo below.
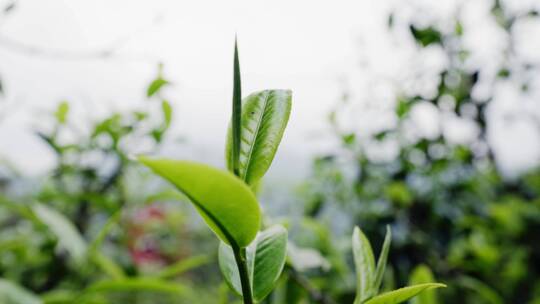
point(302, 45)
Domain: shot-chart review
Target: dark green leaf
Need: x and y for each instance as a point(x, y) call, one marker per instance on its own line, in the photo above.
point(236, 120)
point(264, 117)
point(426, 36)
point(227, 205)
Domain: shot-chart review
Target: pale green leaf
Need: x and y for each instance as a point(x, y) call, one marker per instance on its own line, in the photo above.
point(264, 117)
point(62, 112)
point(266, 259)
point(383, 258)
point(226, 203)
point(167, 113)
point(155, 86)
point(365, 266)
point(402, 294)
point(67, 235)
point(422, 274)
point(14, 294)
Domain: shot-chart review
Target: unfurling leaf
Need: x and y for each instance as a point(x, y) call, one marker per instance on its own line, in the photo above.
point(402, 294)
point(365, 266)
point(227, 205)
point(265, 259)
point(264, 117)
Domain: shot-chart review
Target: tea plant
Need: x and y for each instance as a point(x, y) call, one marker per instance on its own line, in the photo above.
point(250, 260)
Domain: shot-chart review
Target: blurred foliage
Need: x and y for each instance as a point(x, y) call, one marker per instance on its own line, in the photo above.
point(103, 230)
point(98, 229)
point(448, 203)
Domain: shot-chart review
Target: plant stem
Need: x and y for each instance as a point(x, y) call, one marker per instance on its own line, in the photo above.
point(241, 262)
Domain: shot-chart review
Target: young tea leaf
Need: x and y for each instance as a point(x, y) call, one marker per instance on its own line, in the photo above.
point(383, 258)
point(266, 259)
point(264, 117)
point(402, 294)
point(365, 266)
point(422, 274)
point(227, 205)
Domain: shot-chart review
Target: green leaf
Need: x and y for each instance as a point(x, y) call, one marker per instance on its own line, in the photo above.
point(264, 117)
point(265, 258)
point(183, 266)
point(236, 120)
point(422, 274)
point(137, 284)
point(383, 258)
point(14, 294)
point(155, 86)
point(482, 290)
point(68, 237)
point(62, 112)
point(226, 203)
point(365, 266)
point(104, 262)
point(402, 294)
point(167, 113)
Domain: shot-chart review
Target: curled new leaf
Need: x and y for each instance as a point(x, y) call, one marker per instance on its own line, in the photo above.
point(402, 294)
point(227, 205)
point(365, 266)
point(265, 259)
point(264, 117)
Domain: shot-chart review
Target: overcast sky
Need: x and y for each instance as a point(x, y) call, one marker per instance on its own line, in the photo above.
point(306, 46)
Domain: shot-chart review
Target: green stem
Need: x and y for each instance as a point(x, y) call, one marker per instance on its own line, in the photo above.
point(241, 262)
